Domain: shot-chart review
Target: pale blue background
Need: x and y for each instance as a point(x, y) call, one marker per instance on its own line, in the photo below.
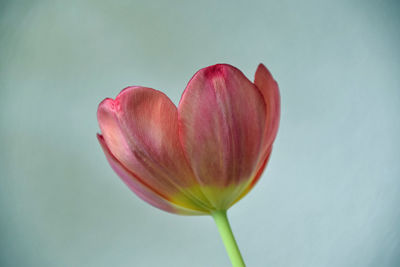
point(330, 195)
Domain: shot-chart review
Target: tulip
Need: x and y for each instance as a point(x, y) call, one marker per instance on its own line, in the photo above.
point(198, 158)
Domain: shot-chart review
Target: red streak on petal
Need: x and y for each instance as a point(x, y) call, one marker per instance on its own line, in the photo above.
point(261, 169)
point(136, 177)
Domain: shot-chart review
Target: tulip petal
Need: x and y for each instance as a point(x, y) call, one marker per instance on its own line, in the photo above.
point(270, 91)
point(221, 119)
point(140, 127)
point(261, 166)
point(112, 133)
point(140, 188)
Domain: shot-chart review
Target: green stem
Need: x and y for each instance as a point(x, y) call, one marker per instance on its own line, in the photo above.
point(225, 231)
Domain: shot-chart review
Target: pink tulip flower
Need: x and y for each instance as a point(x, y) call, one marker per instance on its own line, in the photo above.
point(202, 156)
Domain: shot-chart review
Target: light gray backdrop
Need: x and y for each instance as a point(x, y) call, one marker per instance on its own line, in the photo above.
point(330, 195)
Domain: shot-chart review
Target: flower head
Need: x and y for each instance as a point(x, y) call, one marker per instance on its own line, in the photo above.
point(202, 156)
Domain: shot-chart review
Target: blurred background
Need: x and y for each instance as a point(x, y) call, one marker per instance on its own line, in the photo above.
point(330, 195)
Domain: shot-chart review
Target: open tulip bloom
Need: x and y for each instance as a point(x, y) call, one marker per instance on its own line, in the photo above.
point(198, 158)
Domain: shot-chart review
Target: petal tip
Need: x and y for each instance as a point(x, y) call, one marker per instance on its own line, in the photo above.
point(107, 102)
point(261, 65)
point(264, 80)
point(215, 70)
point(262, 72)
